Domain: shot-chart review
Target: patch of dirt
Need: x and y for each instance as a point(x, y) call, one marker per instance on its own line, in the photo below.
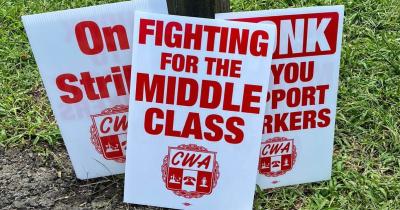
point(36, 181)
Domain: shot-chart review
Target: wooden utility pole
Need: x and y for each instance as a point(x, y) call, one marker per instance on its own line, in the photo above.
point(198, 8)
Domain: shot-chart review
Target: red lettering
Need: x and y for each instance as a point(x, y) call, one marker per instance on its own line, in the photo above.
point(324, 117)
point(239, 41)
point(88, 83)
point(190, 159)
point(193, 36)
point(249, 98)
point(173, 40)
point(109, 119)
point(95, 35)
point(75, 92)
point(212, 32)
point(169, 125)
point(174, 162)
point(121, 123)
point(304, 34)
point(155, 89)
point(267, 128)
point(205, 92)
point(148, 121)
point(102, 83)
point(205, 162)
point(144, 30)
point(275, 148)
point(294, 97)
point(232, 125)
point(110, 32)
point(213, 123)
point(228, 103)
point(190, 85)
point(190, 36)
point(299, 120)
point(259, 48)
point(193, 126)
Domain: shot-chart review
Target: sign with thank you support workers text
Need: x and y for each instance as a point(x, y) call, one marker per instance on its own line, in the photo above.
point(84, 57)
point(299, 123)
point(196, 111)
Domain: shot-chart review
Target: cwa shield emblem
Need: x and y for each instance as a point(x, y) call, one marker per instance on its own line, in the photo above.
point(190, 171)
point(277, 156)
point(109, 132)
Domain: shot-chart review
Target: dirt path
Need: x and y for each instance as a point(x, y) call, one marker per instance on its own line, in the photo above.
point(29, 180)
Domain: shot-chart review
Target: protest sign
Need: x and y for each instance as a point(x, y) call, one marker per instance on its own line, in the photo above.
point(297, 143)
point(84, 56)
point(196, 111)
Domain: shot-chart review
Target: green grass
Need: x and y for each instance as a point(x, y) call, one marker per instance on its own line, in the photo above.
point(366, 169)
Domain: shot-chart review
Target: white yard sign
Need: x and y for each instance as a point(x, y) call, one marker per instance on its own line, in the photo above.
point(196, 110)
point(299, 123)
point(84, 56)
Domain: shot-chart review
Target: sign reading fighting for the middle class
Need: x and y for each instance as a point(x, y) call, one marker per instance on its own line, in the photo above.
point(196, 108)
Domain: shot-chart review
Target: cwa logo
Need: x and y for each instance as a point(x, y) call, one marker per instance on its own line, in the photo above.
point(109, 132)
point(190, 171)
point(277, 156)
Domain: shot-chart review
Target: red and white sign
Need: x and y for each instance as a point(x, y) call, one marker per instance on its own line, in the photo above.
point(196, 108)
point(301, 103)
point(84, 57)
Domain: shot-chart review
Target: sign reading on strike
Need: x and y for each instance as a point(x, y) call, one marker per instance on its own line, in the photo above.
point(84, 56)
point(196, 109)
point(298, 127)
